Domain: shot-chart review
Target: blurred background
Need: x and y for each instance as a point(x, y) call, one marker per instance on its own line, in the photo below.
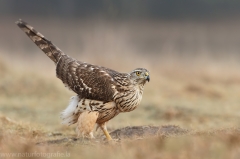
point(191, 47)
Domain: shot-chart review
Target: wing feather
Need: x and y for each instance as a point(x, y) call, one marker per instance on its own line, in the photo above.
point(88, 81)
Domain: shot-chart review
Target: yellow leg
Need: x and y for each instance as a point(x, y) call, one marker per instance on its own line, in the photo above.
point(104, 129)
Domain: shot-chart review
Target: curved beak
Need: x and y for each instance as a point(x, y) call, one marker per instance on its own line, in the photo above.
point(148, 78)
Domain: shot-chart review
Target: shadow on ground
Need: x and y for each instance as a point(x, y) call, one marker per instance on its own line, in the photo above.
point(126, 133)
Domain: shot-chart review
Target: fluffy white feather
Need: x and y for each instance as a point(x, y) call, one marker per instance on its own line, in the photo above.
point(67, 114)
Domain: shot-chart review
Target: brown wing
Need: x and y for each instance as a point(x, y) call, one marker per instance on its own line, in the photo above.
point(88, 81)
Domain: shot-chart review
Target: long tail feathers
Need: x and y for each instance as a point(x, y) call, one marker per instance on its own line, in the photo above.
point(53, 52)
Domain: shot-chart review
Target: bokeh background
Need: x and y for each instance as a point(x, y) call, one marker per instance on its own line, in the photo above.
point(191, 47)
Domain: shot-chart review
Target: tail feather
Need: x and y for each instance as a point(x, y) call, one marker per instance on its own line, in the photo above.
point(53, 52)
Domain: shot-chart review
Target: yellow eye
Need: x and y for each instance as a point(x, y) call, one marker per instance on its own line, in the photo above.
point(138, 73)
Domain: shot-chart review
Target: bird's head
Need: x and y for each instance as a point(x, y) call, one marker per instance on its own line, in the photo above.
point(140, 76)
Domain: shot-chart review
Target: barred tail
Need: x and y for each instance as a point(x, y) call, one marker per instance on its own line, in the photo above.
point(53, 52)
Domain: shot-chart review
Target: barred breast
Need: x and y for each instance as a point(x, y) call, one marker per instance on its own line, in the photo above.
point(129, 99)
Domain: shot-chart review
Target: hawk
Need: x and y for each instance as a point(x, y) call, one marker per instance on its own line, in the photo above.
point(102, 93)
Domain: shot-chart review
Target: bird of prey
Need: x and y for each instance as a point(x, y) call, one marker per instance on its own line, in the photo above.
point(101, 92)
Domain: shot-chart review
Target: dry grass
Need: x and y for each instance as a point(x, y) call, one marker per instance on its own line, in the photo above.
point(196, 92)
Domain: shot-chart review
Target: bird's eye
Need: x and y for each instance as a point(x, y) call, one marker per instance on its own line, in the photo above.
point(138, 73)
